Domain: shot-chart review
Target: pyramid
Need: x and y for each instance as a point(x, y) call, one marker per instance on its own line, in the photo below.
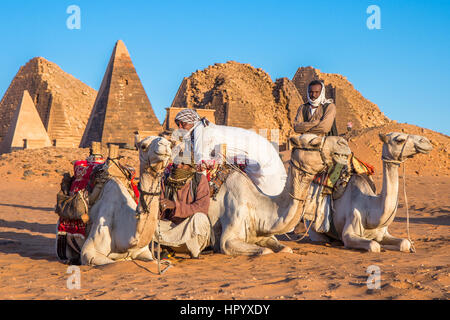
point(242, 96)
point(26, 124)
point(122, 106)
point(63, 102)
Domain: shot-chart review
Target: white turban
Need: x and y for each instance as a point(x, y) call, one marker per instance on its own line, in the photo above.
point(187, 116)
point(321, 99)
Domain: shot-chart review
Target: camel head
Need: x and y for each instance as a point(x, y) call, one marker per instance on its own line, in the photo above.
point(399, 146)
point(154, 156)
point(154, 152)
point(336, 149)
point(313, 153)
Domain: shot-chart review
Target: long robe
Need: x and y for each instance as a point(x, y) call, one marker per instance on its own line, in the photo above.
point(263, 163)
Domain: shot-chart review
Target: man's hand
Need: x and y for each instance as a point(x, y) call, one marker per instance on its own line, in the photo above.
point(167, 204)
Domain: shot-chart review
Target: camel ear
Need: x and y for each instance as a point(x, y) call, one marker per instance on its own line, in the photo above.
point(316, 142)
point(400, 139)
point(383, 137)
point(295, 141)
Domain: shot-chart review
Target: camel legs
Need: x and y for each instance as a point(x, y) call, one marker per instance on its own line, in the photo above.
point(143, 254)
point(240, 247)
point(91, 256)
point(351, 238)
point(273, 244)
point(394, 243)
point(96, 249)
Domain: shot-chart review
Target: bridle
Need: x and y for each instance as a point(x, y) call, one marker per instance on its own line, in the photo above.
point(307, 173)
point(156, 175)
point(400, 157)
point(318, 149)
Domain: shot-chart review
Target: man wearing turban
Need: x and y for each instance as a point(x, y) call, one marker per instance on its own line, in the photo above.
point(318, 116)
point(203, 142)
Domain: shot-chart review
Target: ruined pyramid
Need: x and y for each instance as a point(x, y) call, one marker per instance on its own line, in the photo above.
point(242, 96)
point(63, 102)
point(26, 129)
point(121, 106)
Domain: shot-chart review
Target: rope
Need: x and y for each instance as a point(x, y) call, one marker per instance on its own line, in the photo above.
point(413, 249)
point(307, 229)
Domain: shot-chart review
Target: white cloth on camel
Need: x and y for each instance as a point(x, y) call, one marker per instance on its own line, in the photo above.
point(193, 234)
point(263, 163)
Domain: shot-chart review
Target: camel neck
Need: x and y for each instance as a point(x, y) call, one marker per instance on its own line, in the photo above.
point(290, 202)
point(389, 194)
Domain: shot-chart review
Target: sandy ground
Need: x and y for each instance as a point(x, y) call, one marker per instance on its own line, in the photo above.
point(29, 268)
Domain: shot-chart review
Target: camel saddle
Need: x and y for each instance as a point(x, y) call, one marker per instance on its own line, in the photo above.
point(80, 192)
point(328, 186)
point(336, 178)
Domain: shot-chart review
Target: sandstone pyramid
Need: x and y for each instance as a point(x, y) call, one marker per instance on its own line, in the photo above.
point(121, 106)
point(26, 129)
point(62, 101)
point(242, 96)
point(351, 105)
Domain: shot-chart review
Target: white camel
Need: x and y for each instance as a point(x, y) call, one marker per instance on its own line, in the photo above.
point(361, 218)
point(245, 221)
point(120, 230)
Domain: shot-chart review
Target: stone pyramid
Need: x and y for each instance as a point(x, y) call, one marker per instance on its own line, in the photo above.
point(26, 124)
point(122, 106)
point(242, 96)
point(63, 102)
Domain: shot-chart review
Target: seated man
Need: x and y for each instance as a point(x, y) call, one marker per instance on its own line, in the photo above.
point(318, 116)
point(184, 204)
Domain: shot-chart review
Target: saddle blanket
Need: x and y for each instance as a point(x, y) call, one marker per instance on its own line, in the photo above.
point(318, 208)
point(355, 166)
point(72, 227)
point(82, 170)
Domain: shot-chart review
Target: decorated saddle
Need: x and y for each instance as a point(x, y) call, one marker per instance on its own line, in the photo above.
point(72, 204)
point(328, 186)
point(79, 193)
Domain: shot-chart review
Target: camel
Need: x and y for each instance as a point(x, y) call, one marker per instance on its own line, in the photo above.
point(120, 228)
point(361, 218)
point(245, 221)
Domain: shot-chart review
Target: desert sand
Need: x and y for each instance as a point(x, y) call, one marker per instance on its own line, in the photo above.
point(29, 268)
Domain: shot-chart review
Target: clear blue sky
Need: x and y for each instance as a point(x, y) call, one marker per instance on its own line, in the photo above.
point(404, 67)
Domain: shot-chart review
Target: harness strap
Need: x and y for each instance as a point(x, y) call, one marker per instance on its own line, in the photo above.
point(400, 157)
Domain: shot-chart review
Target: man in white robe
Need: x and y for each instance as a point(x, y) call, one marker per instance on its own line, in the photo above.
point(202, 144)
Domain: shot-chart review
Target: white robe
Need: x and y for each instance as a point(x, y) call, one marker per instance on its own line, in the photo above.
point(264, 165)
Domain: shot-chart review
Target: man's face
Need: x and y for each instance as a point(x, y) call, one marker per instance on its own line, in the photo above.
point(185, 126)
point(314, 91)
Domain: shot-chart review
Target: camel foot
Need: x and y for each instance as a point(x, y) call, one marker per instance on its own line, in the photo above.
point(144, 255)
point(286, 250)
point(266, 251)
point(405, 245)
point(374, 247)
